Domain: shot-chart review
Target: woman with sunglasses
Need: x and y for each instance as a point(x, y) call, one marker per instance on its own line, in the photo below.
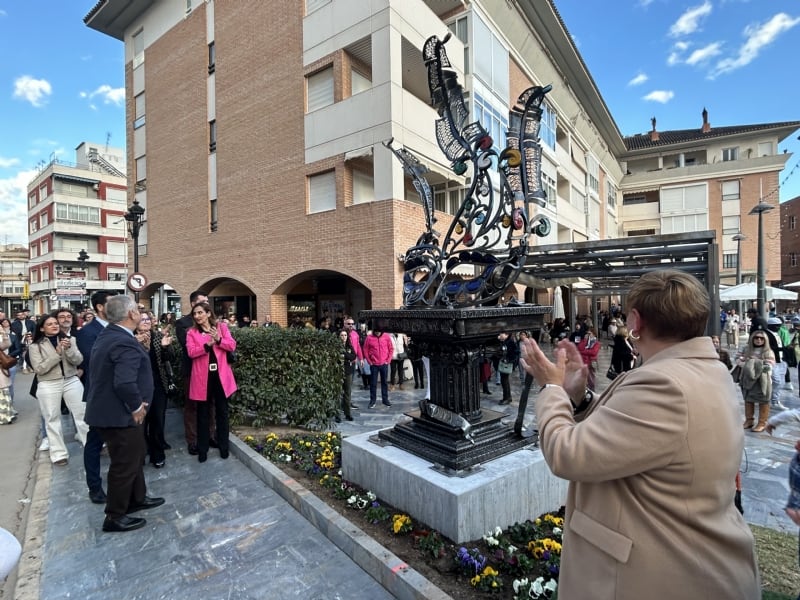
point(756, 379)
point(211, 382)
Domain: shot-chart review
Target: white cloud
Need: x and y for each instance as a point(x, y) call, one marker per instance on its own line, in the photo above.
point(32, 90)
point(108, 94)
point(5, 163)
point(14, 208)
point(645, 3)
point(676, 54)
point(3, 13)
point(704, 54)
point(638, 80)
point(757, 37)
point(662, 96)
point(689, 22)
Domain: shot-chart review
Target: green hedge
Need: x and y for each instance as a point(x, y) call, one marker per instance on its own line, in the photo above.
point(285, 376)
point(288, 376)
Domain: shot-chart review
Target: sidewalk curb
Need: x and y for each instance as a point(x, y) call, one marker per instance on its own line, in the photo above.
point(29, 570)
point(390, 571)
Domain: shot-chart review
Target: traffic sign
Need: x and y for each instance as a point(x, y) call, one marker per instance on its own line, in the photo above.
point(137, 282)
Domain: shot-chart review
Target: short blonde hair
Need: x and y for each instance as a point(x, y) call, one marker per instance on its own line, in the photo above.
point(673, 304)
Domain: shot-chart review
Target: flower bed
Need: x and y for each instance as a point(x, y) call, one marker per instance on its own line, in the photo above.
point(519, 562)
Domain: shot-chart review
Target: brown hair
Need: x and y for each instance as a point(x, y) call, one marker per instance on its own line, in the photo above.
point(212, 320)
point(673, 304)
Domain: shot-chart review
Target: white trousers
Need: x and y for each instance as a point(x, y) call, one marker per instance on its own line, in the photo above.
point(777, 376)
point(49, 394)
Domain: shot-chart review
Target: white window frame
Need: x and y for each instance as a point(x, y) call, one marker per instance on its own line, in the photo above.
point(319, 89)
point(322, 192)
point(731, 190)
point(363, 187)
point(359, 82)
point(729, 154)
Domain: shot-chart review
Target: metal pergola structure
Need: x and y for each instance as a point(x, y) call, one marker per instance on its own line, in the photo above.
point(612, 266)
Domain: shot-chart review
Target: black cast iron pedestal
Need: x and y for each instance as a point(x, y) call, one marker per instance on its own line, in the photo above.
point(462, 435)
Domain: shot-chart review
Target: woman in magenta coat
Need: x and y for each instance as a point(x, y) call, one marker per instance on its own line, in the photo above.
point(211, 382)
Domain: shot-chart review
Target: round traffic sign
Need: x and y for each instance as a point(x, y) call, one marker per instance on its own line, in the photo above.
point(137, 282)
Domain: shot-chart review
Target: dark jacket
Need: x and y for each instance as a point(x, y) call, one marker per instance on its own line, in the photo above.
point(182, 325)
point(86, 337)
point(121, 379)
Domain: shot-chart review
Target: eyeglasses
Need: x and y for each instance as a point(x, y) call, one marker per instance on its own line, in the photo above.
point(145, 319)
point(349, 323)
point(759, 337)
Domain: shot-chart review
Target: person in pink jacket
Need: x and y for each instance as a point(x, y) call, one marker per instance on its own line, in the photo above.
point(378, 351)
point(211, 381)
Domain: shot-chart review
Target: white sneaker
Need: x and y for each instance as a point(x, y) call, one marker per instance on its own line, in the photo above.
point(778, 404)
point(45, 445)
point(789, 387)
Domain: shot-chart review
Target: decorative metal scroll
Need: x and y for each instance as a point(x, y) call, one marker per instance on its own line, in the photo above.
point(490, 230)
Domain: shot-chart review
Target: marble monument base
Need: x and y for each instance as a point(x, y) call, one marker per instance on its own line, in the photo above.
point(507, 490)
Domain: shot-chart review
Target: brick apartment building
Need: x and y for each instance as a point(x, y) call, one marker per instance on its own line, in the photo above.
point(790, 244)
point(73, 208)
point(255, 135)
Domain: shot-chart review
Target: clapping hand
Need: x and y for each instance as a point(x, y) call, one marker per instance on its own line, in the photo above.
point(568, 370)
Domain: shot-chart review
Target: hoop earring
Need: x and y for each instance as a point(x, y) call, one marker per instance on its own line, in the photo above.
point(634, 336)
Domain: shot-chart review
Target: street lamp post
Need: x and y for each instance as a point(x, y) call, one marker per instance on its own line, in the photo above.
point(135, 219)
point(761, 304)
point(82, 258)
point(738, 239)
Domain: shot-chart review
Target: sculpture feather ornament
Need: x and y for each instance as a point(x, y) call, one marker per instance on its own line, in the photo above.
point(489, 232)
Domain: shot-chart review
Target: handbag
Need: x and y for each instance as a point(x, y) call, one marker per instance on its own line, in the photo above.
point(505, 367)
point(232, 357)
point(612, 373)
point(402, 355)
point(6, 361)
point(34, 386)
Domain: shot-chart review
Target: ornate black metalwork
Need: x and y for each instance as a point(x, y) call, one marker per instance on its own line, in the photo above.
point(490, 230)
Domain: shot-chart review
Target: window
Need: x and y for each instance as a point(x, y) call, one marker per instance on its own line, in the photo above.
point(460, 29)
point(45, 245)
point(635, 232)
point(631, 200)
point(730, 154)
point(141, 173)
point(611, 195)
point(684, 198)
point(138, 48)
point(33, 227)
point(792, 221)
point(730, 190)
point(77, 214)
point(363, 187)
point(34, 250)
point(42, 192)
point(547, 127)
point(730, 260)
point(322, 192)
point(320, 89)
point(593, 174)
point(765, 149)
point(730, 225)
point(32, 200)
point(358, 82)
point(212, 135)
point(43, 220)
point(447, 197)
point(792, 259)
point(491, 58)
point(138, 120)
point(493, 120)
point(73, 189)
point(213, 215)
point(577, 199)
point(212, 58)
point(45, 273)
point(549, 186)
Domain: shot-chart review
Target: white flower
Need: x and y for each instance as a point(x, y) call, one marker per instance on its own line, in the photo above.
point(550, 587)
point(352, 500)
point(511, 549)
point(497, 531)
point(519, 583)
point(490, 541)
point(556, 530)
point(371, 496)
point(362, 503)
point(536, 588)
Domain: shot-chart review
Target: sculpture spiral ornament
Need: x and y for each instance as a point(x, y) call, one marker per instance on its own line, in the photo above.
point(490, 230)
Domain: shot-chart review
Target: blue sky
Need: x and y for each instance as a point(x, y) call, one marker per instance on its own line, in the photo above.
point(63, 83)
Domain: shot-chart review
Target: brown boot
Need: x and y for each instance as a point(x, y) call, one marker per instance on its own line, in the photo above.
point(749, 411)
point(763, 415)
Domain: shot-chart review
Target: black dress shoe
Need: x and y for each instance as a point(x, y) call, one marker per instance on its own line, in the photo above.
point(202, 457)
point(337, 418)
point(192, 448)
point(166, 446)
point(148, 502)
point(97, 496)
point(159, 464)
point(223, 453)
point(354, 406)
point(349, 418)
point(123, 524)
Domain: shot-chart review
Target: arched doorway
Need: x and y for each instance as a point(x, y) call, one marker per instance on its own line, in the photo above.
point(312, 295)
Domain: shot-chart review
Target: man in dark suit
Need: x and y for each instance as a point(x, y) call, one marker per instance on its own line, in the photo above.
point(86, 337)
point(120, 390)
point(182, 325)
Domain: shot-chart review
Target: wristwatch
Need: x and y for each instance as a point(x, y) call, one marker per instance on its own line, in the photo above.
point(588, 396)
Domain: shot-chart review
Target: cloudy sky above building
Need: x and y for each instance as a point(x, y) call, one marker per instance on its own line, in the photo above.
point(63, 83)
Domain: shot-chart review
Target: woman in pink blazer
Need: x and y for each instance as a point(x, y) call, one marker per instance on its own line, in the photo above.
point(211, 382)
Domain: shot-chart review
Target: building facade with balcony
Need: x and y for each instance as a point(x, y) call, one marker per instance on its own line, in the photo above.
point(76, 230)
point(790, 242)
point(13, 279)
point(255, 136)
point(709, 178)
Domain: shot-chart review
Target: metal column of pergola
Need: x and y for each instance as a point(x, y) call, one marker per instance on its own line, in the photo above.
point(612, 266)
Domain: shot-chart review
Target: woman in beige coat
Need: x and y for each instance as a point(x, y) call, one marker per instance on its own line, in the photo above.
point(652, 461)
